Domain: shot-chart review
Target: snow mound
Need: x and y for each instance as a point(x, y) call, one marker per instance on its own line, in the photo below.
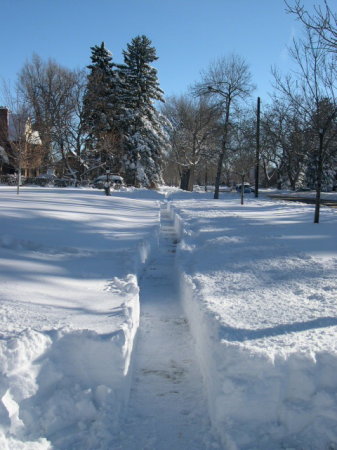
point(260, 399)
point(74, 380)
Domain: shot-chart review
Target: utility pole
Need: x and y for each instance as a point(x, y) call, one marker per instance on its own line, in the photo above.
point(257, 154)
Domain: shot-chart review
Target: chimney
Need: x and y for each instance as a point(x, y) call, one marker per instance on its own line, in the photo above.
point(4, 123)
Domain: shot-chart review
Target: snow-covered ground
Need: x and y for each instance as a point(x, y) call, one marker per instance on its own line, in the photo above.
point(259, 287)
point(69, 305)
point(235, 308)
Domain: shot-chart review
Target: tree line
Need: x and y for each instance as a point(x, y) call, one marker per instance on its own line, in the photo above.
point(99, 119)
point(215, 124)
point(113, 116)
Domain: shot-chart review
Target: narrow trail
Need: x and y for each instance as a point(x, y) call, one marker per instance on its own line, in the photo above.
point(167, 407)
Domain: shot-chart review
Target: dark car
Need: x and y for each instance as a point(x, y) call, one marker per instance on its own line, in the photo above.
point(247, 188)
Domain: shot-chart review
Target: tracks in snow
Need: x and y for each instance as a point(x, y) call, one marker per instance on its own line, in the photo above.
point(167, 407)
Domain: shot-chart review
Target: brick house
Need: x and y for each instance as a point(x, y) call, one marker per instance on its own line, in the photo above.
point(20, 145)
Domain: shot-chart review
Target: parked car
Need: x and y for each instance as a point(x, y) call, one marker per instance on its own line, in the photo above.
point(116, 181)
point(247, 188)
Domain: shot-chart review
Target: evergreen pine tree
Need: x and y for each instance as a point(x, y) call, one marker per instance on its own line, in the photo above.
point(145, 139)
point(101, 106)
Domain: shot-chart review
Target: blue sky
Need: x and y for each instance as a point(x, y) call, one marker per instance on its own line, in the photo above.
point(188, 34)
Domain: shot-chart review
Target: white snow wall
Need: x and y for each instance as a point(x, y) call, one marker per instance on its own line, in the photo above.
point(69, 387)
point(256, 400)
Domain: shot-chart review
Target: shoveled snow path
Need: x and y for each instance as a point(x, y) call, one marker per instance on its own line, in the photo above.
point(167, 407)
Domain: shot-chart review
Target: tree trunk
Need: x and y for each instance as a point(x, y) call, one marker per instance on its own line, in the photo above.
point(191, 179)
point(18, 180)
point(279, 181)
point(319, 178)
point(242, 187)
point(206, 178)
point(223, 151)
point(66, 163)
point(292, 183)
point(218, 173)
point(185, 178)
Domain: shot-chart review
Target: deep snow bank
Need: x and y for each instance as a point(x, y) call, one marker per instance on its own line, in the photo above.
point(70, 309)
point(66, 379)
point(258, 285)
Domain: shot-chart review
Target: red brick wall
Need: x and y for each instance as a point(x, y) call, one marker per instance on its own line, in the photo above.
point(3, 125)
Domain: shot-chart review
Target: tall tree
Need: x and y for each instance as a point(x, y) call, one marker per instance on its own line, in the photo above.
point(329, 163)
point(144, 133)
point(49, 92)
point(309, 89)
point(226, 81)
point(241, 144)
point(22, 144)
point(286, 143)
point(101, 107)
point(195, 129)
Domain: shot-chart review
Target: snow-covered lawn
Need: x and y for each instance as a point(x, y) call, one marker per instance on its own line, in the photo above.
point(69, 306)
point(258, 288)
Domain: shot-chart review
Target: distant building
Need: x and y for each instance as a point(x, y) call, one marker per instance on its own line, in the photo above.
point(20, 145)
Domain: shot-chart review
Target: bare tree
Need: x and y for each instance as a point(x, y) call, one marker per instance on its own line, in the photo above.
point(53, 95)
point(309, 89)
point(242, 144)
point(225, 83)
point(23, 143)
point(76, 134)
point(286, 142)
point(322, 21)
point(195, 127)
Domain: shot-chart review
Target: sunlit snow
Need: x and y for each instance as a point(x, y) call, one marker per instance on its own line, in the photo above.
point(164, 320)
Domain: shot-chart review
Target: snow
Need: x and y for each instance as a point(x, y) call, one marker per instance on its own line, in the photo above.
point(167, 407)
point(259, 289)
point(166, 320)
point(70, 311)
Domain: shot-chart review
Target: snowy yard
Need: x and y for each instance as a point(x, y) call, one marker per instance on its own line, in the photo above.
point(161, 320)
